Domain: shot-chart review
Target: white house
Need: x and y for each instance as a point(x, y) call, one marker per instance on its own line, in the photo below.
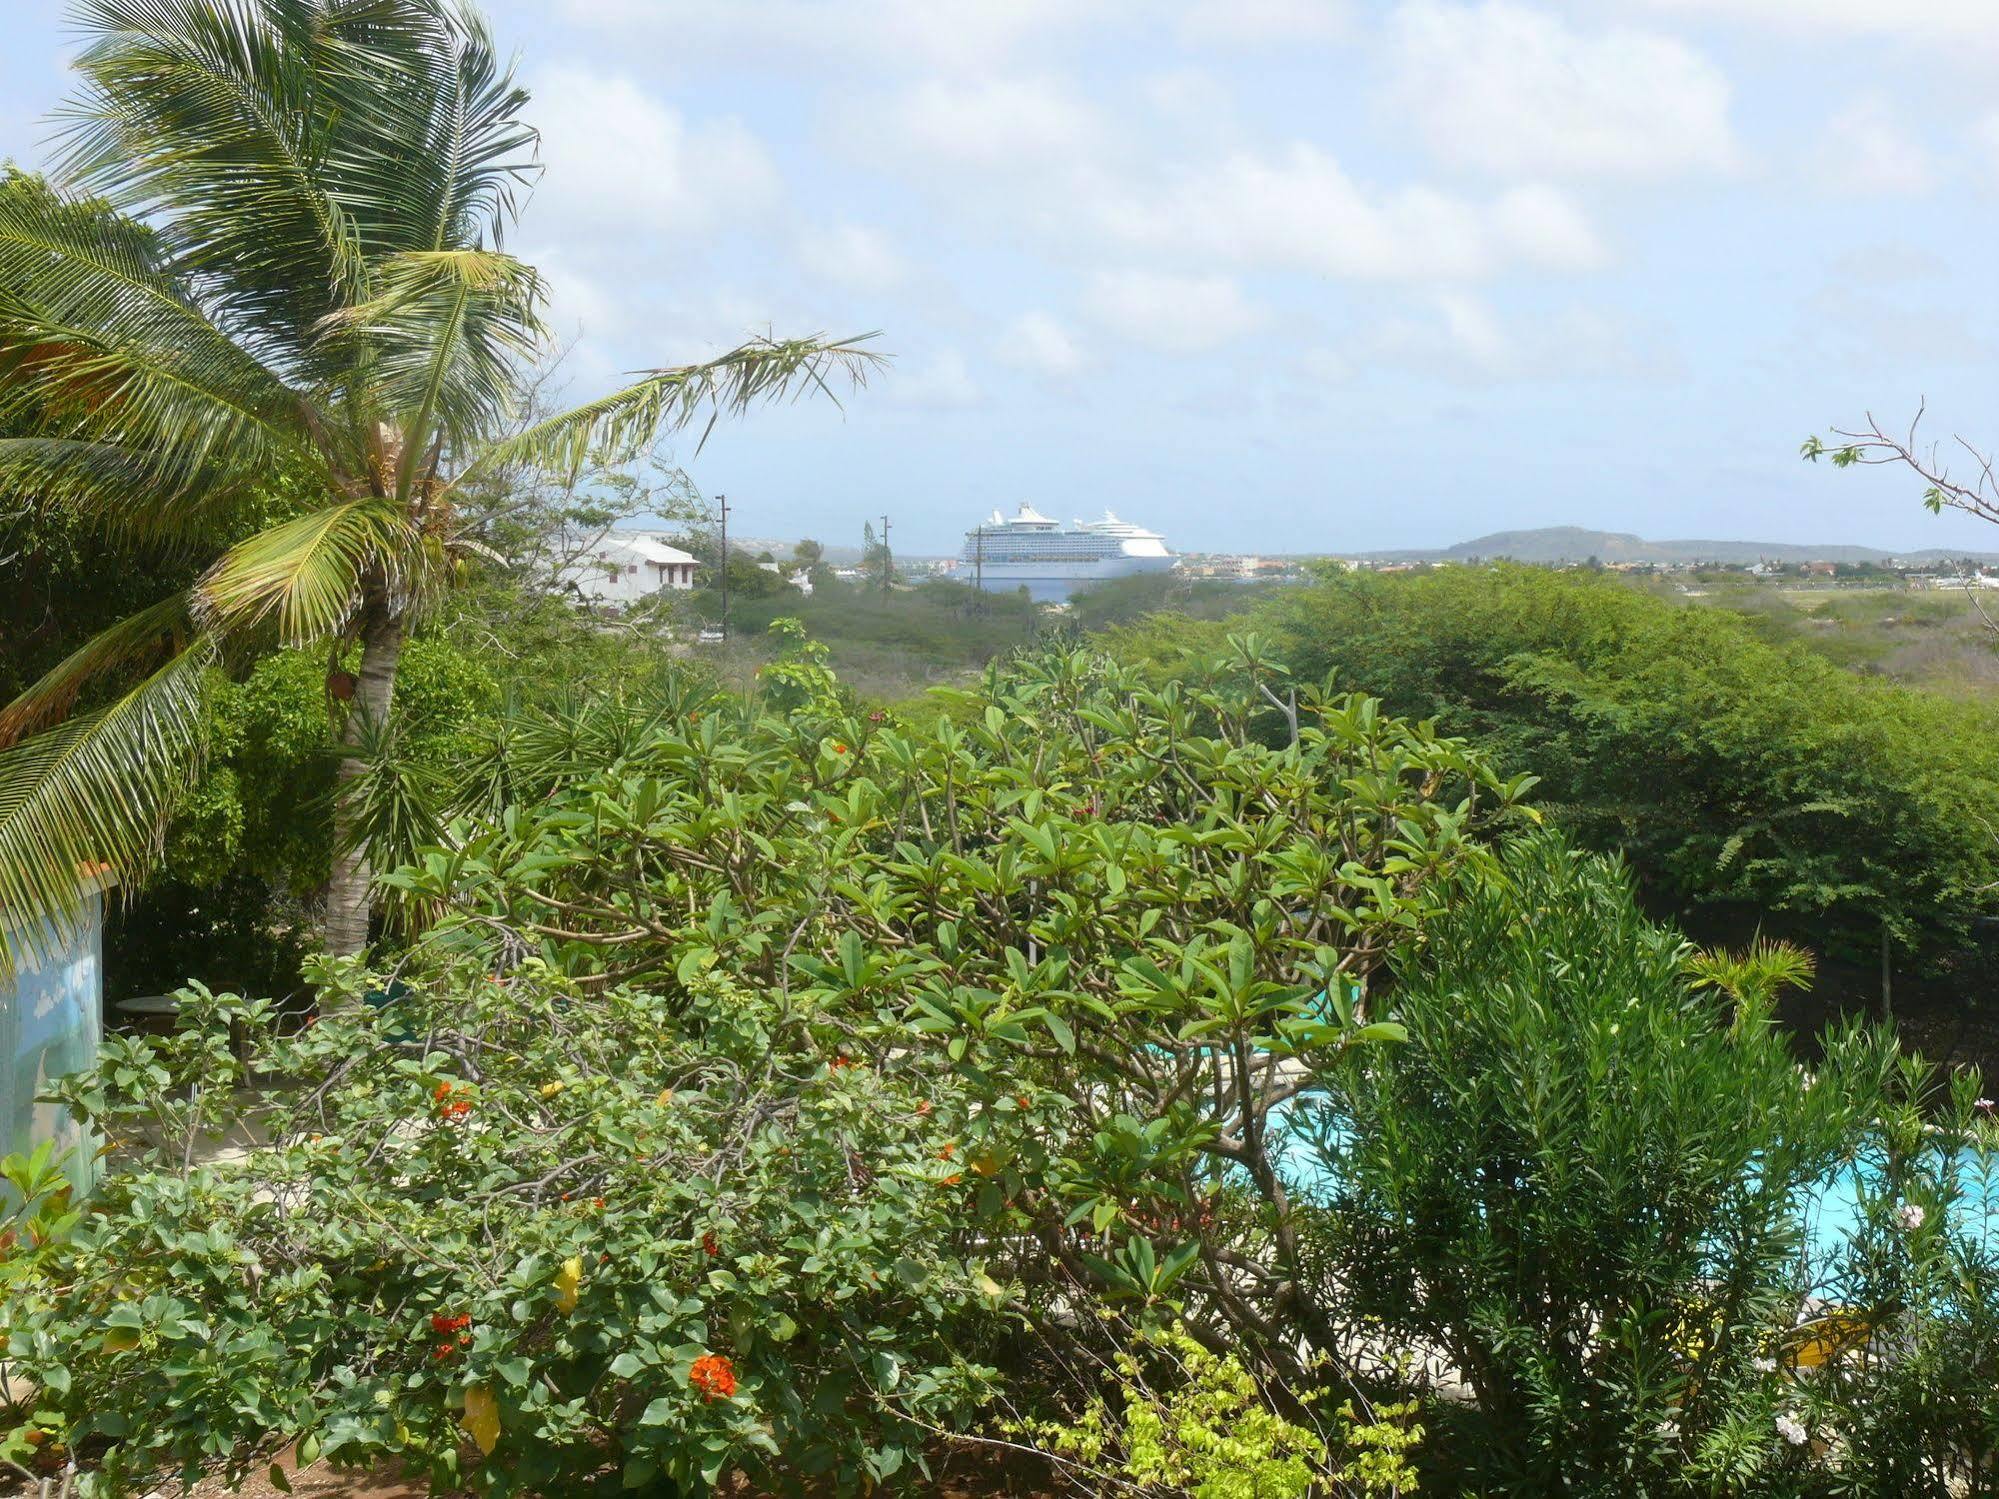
point(798, 577)
point(622, 567)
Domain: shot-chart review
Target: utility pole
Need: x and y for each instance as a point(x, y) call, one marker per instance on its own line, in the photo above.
point(723, 501)
point(885, 557)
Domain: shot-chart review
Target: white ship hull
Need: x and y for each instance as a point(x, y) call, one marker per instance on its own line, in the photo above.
point(1031, 551)
point(1013, 574)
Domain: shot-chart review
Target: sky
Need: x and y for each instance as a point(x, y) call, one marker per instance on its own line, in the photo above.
point(1274, 275)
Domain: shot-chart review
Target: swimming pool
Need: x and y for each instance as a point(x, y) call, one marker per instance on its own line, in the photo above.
point(1832, 1210)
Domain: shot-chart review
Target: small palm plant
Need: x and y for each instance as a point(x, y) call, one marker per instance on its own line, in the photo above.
point(318, 300)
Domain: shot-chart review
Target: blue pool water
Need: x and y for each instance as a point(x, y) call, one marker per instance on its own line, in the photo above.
point(1832, 1211)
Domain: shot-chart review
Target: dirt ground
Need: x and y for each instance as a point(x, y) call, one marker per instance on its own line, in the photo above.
point(964, 1473)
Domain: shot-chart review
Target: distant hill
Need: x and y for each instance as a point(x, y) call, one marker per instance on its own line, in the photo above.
point(1579, 544)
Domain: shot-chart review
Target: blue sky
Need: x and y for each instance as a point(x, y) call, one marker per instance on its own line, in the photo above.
point(1277, 275)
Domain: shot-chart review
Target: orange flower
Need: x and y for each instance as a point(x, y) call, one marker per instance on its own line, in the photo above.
point(710, 1245)
point(923, 1108)
point(839, 748)
point(714, 1376)
point(954, 1178)
point(950, 1149)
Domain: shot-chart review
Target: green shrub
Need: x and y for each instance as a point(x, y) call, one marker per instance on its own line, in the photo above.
point(587, 1227)
point(1908, 1403)
point(1580, 1187)
point(1725, 767)
point(1185, 1420)
point(1126, 928)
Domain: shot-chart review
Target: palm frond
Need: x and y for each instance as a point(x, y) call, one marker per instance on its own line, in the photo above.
point(96, 791)
point(213, 118)
point(94, 334)
point(126, 490)
point(443, 338)
point(621, 425)
point(430, 146)
point(304, 577)
point(140, 640)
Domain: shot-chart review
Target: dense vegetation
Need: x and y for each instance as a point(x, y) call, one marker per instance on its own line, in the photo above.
point(1208, 1043)
point(774, 1081)
point(1732, 770)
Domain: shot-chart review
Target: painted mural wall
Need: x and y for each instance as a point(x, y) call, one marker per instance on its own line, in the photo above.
point(51, 1019)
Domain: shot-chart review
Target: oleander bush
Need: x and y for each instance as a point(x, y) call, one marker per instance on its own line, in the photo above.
point(1582, 1187)
point(1905, 1399)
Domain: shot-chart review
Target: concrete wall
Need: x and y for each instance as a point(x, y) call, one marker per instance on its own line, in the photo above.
point(51, 1019)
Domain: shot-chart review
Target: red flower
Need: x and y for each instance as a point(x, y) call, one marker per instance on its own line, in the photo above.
point(443, 1324)
point(714, 1376)
point(710, 1245)
point(923, 1108)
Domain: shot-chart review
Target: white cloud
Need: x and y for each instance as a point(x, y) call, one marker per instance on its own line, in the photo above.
point(852, 255)
point(1037, 343)
point(1946, 22)
point(1261, 22)
point(952, 36)
point(1985, 141)
point(1300, 210)
point(1545, 228)
point(577, 301)
point(993, 125)
point(942, 381)
point(1501, 87)
point(1172, 314)
point(1462, 339)
point(1866, 149)
point(876, 34)
point(620, 161)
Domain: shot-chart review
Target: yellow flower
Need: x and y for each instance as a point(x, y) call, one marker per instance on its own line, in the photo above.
point(568, 1281)
point(482, 1418)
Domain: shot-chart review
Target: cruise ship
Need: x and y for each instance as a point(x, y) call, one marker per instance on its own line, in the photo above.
point(1007, 551)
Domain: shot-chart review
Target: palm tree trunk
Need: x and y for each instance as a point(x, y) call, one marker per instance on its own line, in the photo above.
point(374, 692)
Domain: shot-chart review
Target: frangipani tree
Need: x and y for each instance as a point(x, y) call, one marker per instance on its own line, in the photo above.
point(322, 301)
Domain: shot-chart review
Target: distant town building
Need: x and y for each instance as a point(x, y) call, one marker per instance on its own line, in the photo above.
point(622, 567)
point(796, 574)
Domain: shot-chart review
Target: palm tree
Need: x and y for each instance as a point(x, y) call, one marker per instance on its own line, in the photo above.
point(322, 299)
